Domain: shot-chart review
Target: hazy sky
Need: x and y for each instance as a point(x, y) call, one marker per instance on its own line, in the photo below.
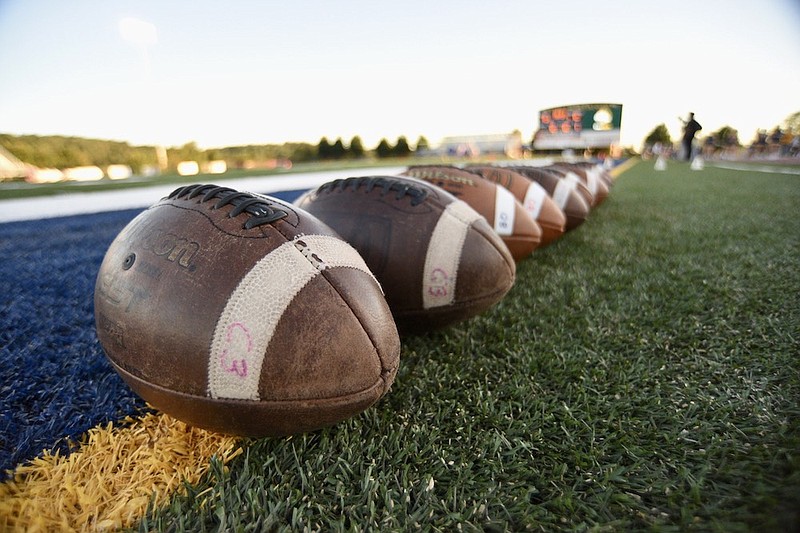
point(232, 72)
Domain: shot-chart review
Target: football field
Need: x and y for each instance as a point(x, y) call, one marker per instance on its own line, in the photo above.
point(642, 374)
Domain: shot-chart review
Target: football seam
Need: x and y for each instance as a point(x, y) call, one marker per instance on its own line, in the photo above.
point(385, 370)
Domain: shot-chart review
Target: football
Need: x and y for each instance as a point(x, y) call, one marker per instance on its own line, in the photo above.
point(587, 176)
point(599, 170)
point(437, 259)
point(534, 199)
point(566, 194)
point(520, 233)
point(244, 315)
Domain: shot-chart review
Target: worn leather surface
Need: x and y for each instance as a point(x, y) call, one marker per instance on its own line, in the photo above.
point(392, 235)
point(601, 188)
point(480, 193)
point(602, 172)
point(576, 209)
point(551, 218)
point(580, 186)
point(335, 350)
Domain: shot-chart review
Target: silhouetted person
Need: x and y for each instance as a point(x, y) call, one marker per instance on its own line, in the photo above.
point(690, 129)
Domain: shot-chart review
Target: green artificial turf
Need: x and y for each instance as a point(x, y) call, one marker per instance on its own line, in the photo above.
point(642, 374)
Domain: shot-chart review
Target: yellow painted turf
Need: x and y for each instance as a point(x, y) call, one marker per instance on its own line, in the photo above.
point(108, 482)
point(619, 169)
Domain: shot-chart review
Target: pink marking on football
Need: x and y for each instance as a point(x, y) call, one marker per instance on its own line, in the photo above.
point(440, 277)
point(237, 366)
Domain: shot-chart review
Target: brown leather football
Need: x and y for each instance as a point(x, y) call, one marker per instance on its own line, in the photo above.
point(566, 194)
point(438, 260)
point(599, 170)
point(587, 176)
point(520, 233)
point(533, 197)
point(242, 314)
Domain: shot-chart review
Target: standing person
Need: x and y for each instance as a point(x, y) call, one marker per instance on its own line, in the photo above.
point(690, 129)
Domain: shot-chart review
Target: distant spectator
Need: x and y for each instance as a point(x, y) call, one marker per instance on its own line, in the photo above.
point(729, 144)
point(690, 129)
point(759, 146)
point(710, 147)
point(775, 136)
point(786, 142)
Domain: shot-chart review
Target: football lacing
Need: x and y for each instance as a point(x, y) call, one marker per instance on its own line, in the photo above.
point(259, 209)
point(387, 185)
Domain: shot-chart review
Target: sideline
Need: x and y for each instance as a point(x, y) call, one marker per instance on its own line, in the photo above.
point(84, 203)
point(756, 168)
point(627, 165)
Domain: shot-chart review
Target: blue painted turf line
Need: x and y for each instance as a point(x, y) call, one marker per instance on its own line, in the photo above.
point(55, 381)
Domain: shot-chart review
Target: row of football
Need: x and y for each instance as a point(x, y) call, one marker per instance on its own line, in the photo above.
point(247, 315)
point(556, 198)
point(525, 206)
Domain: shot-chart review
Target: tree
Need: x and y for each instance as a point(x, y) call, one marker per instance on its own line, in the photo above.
point(792, 122)
point(338, 150)
point(402, 149)
point(187, 152)
point(324, 149)
point(301, 152)
point(356, 147)
point(141, 157)
point(422, 144)
point(56, 151)
point(384, 149)
point(726, 137)
point(658, 135)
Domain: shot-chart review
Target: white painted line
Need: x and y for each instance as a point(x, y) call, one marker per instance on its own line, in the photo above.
point(80, 203)
point(757, 168)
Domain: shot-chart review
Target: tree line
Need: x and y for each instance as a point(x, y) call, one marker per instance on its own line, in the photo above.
point(724, 136)
point(62, 152)
point(55, 151)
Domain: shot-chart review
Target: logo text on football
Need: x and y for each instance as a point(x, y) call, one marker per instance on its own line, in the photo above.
point(172, 247)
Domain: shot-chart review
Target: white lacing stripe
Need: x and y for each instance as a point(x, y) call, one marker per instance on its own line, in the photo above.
point(534, 199)
point(444, 254)
point(504, 211)
point(247, 324)
point(562, 192)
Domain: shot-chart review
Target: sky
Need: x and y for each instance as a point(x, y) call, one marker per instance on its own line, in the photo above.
point(228, 73)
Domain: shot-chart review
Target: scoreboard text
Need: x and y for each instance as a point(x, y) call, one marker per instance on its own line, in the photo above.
point(579, 126)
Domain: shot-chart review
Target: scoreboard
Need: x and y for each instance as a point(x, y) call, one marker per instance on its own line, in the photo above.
point(579, 126)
